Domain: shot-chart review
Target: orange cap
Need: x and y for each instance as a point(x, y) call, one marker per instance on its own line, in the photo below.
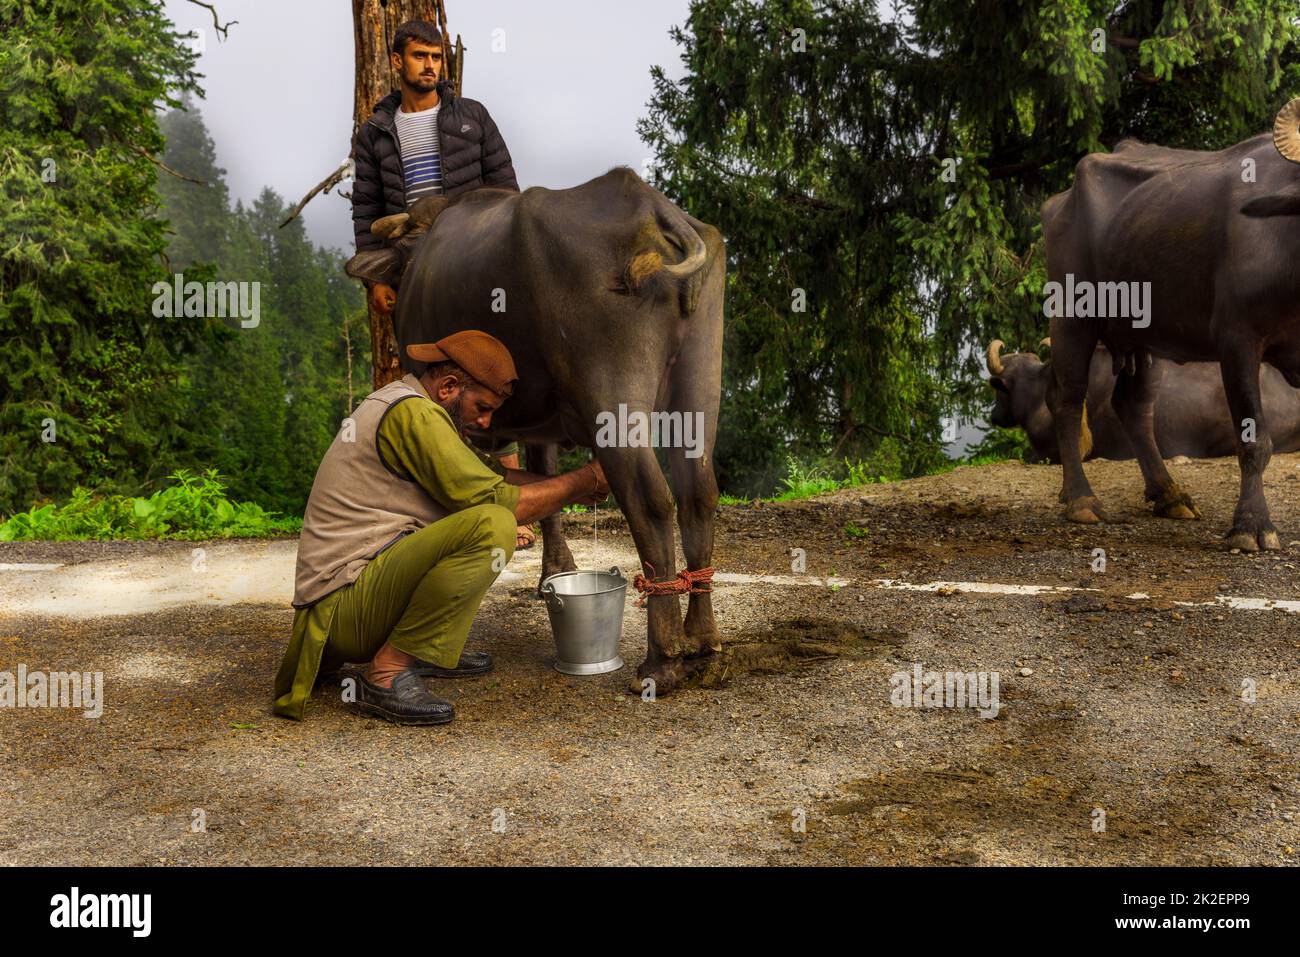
point(483, 356)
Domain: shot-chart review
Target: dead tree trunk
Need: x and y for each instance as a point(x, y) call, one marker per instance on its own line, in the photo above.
point(375, 22)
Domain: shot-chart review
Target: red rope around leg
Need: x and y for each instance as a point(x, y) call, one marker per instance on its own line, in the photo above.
point(684, 582)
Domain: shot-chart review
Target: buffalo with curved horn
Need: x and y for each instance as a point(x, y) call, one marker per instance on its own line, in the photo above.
point(1191, 412)
point(610, 300)
point(1173, 254)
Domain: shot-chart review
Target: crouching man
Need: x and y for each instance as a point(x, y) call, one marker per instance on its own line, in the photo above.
point(406, 528)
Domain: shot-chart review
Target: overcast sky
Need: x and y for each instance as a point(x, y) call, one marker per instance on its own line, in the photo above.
point(566, 91)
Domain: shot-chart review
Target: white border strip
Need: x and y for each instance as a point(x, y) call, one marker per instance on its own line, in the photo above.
point(1233, 602)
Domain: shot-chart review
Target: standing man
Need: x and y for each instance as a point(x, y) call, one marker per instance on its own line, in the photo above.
point(424, 140)
point(406, 528)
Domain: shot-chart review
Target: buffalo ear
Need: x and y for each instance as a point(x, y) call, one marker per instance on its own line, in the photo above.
point(376, 265)
point(1285, 202)
point(999, 385)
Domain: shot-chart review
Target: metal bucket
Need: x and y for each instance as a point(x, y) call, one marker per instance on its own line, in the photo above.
point(586, 610)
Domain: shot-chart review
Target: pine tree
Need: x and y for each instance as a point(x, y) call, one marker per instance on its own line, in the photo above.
point(263, 403)
point(86, 369)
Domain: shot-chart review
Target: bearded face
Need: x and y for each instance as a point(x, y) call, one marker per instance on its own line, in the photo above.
point(420, 65)
point(456, 409)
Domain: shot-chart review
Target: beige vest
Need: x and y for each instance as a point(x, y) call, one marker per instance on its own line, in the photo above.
point(358, 506)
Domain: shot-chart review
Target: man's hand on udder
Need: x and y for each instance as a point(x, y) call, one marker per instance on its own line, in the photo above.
point(601, 491)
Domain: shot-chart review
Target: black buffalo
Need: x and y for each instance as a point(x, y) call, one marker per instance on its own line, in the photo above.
point(1207, 244)
point(606, 295)
point(1191, 414)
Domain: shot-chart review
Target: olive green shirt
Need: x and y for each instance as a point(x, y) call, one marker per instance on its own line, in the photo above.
point(417, 440)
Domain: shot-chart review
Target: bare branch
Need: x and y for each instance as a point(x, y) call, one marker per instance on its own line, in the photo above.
point(325, 185)
point(164, 167)
point(216, 23)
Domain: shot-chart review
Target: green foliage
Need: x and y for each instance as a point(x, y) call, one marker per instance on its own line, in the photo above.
point(195, 507)
point(1000, 445)
point(95, 390)
point(804, 480)
point(263, 403)
point(80, 81)
point(795, 157)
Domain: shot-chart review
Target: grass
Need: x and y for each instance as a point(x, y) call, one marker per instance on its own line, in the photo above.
point(194, 507)
point(805, 481)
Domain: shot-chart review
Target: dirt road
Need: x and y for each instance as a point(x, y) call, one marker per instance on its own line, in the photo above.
point(1126, 732)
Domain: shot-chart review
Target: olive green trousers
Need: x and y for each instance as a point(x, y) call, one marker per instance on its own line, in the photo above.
point(420, 594)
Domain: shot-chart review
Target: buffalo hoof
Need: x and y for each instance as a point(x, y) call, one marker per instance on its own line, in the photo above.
point(1085, 511)
point(668, 674)
point(1175, 503)
point(1252, 541)
point(707, 641)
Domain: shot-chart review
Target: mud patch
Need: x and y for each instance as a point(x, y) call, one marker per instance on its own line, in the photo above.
point(1032, 791)
point(794, 645)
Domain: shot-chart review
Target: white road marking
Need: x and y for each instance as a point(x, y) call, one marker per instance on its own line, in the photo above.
point(982, 588)
point(998, 588)
point(1250, 604)
point(1234, 602)
point(736, 578)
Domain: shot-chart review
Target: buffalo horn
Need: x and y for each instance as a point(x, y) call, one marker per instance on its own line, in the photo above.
point(696, 252)
point(995, 357)
point(1286, 131)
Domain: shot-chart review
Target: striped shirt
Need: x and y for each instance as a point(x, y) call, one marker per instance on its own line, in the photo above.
point(417, 144)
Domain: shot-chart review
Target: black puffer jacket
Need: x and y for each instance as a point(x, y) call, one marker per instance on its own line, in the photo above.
point(472, 150)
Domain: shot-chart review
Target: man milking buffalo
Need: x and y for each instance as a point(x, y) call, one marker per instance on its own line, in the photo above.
point(406, 527)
